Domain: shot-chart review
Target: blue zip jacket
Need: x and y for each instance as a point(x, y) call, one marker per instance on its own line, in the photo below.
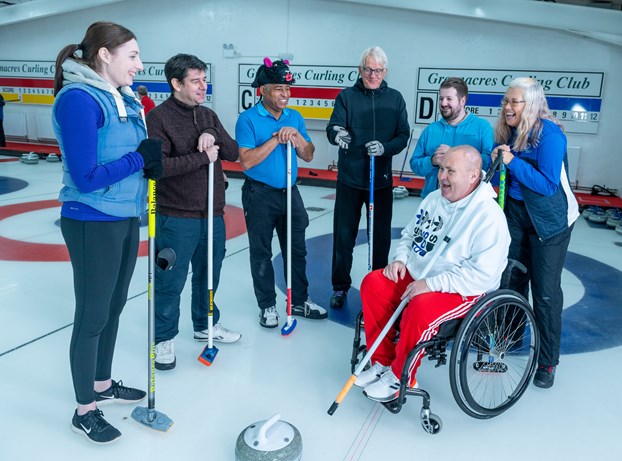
point(473, 131)
point(539, 176)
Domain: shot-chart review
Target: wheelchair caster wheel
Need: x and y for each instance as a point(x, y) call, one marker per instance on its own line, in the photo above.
point(432, 424)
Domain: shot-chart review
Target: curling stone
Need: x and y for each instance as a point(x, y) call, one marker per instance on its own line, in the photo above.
point(30, 158)
point(52, 158)
point(270, 440)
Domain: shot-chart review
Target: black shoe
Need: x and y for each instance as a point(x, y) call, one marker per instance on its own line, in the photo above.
point(545, 375)
point(94, 427)
point(310, 310)
point(338, 299)
point(118, 393)
point(269, 317)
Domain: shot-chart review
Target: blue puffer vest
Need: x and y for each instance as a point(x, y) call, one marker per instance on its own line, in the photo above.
point(549, 214)
point(117, 137)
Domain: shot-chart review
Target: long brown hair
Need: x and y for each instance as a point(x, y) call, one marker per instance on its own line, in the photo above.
point(99, 35)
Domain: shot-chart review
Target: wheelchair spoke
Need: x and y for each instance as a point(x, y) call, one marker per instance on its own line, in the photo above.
point(496, 356)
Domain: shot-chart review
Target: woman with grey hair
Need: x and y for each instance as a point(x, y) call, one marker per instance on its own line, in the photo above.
point(540, 208)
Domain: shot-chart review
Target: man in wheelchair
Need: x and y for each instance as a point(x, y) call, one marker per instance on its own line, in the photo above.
point(452, 253)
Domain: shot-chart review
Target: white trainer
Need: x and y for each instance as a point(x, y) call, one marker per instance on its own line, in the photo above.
point(385, 389)
point(269, 317)
point(370, 375)
point(165, 355)
point(220, 334)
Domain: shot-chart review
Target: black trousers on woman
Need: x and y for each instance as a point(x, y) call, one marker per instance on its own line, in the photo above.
point(103, 256)
point(544, 260)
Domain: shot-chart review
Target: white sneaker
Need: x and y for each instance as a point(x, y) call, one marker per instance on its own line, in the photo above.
point(165, 355)
point(310, 310)
point(400, 192)
point(220, 334)
point(370, 375)
point(269, 317)
point(385, 389)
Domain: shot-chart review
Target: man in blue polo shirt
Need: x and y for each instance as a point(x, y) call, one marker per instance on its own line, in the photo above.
point(262, 133)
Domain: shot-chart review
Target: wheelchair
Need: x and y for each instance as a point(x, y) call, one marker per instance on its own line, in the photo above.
point(493, 356)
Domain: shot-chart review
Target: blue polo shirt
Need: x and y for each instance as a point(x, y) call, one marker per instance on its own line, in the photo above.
point(254, 127)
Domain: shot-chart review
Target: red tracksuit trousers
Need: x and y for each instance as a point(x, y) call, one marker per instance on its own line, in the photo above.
point(421, 318)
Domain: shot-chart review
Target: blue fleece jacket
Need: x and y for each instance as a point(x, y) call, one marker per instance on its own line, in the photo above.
point(473, 131)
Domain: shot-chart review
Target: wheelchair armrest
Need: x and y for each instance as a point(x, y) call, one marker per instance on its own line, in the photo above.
point(448, 329)
point(507, 273)
point(514, 264)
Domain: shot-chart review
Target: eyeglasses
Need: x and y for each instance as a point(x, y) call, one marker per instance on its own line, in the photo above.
point(513, 103)
point(368, 71)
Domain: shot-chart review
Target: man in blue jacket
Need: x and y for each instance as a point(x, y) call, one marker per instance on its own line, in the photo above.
point(369, 119)
point(457, 127)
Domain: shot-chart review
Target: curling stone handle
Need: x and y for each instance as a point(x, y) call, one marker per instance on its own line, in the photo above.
point(261, 434)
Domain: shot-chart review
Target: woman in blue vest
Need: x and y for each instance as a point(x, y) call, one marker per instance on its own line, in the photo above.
point(540, 209)
point(106, 158)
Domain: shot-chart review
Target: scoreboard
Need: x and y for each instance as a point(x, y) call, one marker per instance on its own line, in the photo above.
point(32, 82)
point(575, 98)
point(314, 93)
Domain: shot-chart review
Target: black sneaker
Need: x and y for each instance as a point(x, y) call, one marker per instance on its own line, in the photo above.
point(338, 299)
point(94, 427)
point(269, 317)
point(545, 375)
point(118, 393)
point(310, 310)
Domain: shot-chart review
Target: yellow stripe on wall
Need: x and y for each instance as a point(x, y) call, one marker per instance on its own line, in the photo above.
point(320, 113)
point(37, 99)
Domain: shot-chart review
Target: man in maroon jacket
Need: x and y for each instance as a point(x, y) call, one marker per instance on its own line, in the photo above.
point(192, 137)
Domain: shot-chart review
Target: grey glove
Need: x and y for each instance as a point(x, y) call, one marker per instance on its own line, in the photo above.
point(374, 148)
point(342, 138)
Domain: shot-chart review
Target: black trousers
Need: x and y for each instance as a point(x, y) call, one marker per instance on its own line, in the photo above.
point(2, 138)
point(103, 257)
point(265, 210)
point(348, 204)
point(544, 261)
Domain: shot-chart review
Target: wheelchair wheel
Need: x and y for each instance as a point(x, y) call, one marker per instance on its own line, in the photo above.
point(432, 424)
point(494, 354)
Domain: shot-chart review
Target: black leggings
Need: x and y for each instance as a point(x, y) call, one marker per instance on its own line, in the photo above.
point(103, 257)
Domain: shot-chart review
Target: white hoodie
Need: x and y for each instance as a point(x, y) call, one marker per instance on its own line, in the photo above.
point(476, 255)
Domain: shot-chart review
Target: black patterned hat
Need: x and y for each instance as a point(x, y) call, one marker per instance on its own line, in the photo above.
point(276, 72)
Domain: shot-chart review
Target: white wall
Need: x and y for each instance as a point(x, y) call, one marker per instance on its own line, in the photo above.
point(333, 33)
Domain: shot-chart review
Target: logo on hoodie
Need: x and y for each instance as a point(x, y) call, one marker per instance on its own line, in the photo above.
point(426, 232)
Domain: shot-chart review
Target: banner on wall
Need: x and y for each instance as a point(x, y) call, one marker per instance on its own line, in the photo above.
point(574, 98)
point(32, 82)
point(314, 93)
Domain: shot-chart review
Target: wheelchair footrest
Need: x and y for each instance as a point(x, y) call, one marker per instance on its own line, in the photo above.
point(394, 406)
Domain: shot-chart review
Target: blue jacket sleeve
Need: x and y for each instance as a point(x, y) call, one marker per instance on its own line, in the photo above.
point(80, 117)
point(487, 146)
point(549, 155)
point(420, 163)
